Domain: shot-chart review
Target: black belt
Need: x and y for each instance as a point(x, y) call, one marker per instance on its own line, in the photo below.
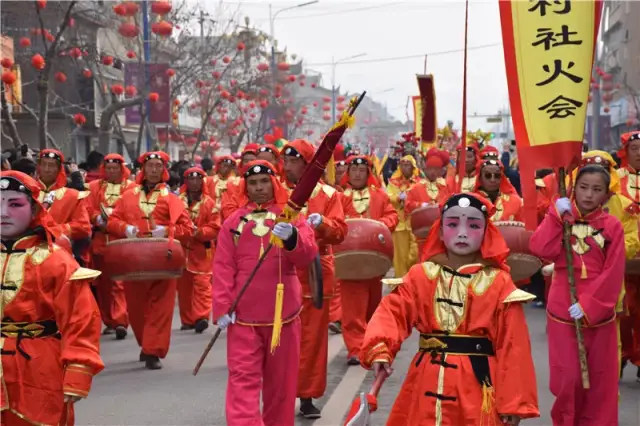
point(27, 330)
point(477, 348)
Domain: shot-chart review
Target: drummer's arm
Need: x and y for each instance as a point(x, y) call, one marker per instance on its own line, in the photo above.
point(412, 202)
point(389, 214)
point(79, 226)
point(301, 248)
point(117, 225)
point(519, 209)
point(210, 224)
point(183, 229)
point(333, 228)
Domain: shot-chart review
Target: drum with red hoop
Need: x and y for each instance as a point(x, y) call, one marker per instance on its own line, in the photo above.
point(422, 218)
point(366, 252)
point(140, 259)
point(523, 264)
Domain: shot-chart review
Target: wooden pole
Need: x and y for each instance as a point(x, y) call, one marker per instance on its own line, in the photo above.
point(462, 155)
point(566, 242)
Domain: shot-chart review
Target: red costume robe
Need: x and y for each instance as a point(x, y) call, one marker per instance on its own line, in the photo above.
point(150, 303)
point(228, 200)
point(359, 298)
point(194, 287)
point(252, 366)
point(598, 259)
point(111, 299)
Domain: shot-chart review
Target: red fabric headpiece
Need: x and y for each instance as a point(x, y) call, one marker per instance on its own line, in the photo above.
point(505, 185)
point(470, 147)
point(61, 179)
point(194, 171)
point(437, 158)
point(280, 193)
point(299, 147)
point(224, 158)
point(250, 148)
point(338, 153)
point(490, 151)
point(493, 249)
point(626, 139)
point(29, 186)
point(356, 160)
point(269, 148)
point(115, 158)
point(154, 155)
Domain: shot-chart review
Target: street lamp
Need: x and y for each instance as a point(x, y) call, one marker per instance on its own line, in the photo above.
point(335, 63)
point(272, 19)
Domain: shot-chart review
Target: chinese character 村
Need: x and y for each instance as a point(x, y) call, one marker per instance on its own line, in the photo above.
point(542, 6)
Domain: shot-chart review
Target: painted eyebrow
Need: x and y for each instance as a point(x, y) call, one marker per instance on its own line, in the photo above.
point(452, 217)
point(474, 218)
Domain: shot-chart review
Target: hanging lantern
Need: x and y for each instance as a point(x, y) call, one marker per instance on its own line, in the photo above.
point(283, 66)
point(264, 104)
point(340, 107)
point(161, 7)
point(313, 85)
point(107, 60)
point(326, 107)
point(302, 84)
point(341, 98)
point(75, 53)
point(60, 77)
point(216, 75)
point(131, 54)
point(162, 28)
point(130, 91)
point(37, 61)
point(176, 102)
point(171, 72)
point(326, 99)
point(117, 89)
point(315, 104)
point(119, 10)
point(326, 117)
point(79, 119)
point(153, 97)
point(131, 8)
point(41, 4)
point(240, 46)
point(606, 109)
point(291, 78)
point(190, 141)
point(128, 29)
point(8, 78)
point(309, 132)
point(226, 59)
point(263, 67)
point(86, 73)
point(174, 115)
point(252, 104)
point(25, 42)
point(6, 63)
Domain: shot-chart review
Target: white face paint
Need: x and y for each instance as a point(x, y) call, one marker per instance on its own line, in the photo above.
point(462, 230)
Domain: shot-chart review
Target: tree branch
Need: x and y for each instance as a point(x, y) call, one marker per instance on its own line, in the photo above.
point(11, 125)
point(35, 116)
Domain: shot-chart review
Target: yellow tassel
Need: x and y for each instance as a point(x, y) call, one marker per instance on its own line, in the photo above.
point(331, 171)
point(583, 270)
point(208, 253)
point(487, 405)
point(277, 318)
point(288, 215)
point(261, 248)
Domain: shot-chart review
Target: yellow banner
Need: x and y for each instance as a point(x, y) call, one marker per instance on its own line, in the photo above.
point(417, 116)
point(554, 45)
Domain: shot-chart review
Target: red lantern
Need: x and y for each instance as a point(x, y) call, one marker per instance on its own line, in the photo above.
point(240, 46)
point(60, 77)
point(326, 117)
point(190, 141)
point(174, 115)
point(171, 72)
point(131, 54)
point(252, 104)
point(107, 60)
point(340, 107)
point(37, 61)
point(161, 7)
point(264, 104)
point(75, 53)
point(49, 36)
point(291, 78)
point(315, 104)
point(313, 85)
point(226, 59)
point(130, 91)
point(117, 89)
point(25, 42)
point(8, 78)
point(196, 132)
point(6, 62)
point(131, 8)
point(86, 73)
point(302, 84)
point(120, 10)
point(79, 119)
point(309, 132)
point(128, 29)
point(326, 107)
point(341, 98)
point(283, 66)
point(263, 67)
point(41, 4)
point(326, 99)
point(162, 28)
point(153, 97)
point(176, 102)
point(606, 109)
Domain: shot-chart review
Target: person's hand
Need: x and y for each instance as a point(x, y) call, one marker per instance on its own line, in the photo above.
point(131, 231)
point(563, 205)
point(547, 270)
point(48, 199)
point(159, 232)
point(73, 167)
point(226, 320)
point(71, 398)
point(424, 204)
point(377, 366)
point(315, 220)
point(510, 420)
point(283, 230)
point(100, 221)
point(575, 311)
point(402, 196)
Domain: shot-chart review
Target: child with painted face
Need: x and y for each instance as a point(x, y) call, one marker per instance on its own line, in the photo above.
point(598, 257)
point(474, 365)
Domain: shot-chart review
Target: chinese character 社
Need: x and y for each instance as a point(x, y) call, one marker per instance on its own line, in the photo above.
point(550, 39)
point(561, 107)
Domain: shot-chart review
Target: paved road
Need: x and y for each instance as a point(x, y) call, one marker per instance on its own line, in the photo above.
point(127, 394)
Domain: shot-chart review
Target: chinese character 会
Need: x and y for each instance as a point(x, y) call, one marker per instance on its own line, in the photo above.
point(561, 107)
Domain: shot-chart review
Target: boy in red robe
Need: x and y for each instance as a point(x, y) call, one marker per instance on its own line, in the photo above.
point(474, 366)
point(598, 257)
point(363, 197)
point(151, 209)
point(50, 328)
point(268, 314)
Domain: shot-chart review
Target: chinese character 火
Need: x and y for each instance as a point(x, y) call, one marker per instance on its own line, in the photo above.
point(543, 4)
point(547, 37)
point(557, 70)
point(561, 107)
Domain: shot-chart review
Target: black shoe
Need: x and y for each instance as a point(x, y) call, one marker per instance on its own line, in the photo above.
point(201, 325)
point(187, 327)
point(108, 330)
point(143, 357)
point(638, 375)
point(353, 361)
point(121, 332)
point(308, 410)
point(153, 363)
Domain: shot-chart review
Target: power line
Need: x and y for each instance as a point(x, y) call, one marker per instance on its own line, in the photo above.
point(399, 58)
point(336, 12)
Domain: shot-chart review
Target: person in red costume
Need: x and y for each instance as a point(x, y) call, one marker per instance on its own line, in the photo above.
point(363, 197)
point(194, 287)
point(150, 209)
point(474, 365)
point(598, 256)
point(629, 173)
point(223, 174)
point(50, 322)
point(494, 185)
point(67, 206)
point(432, 190)
point(114, 182)
point(228, 201)
point(489, 152)
point(268, 314)
point(324, 214)
point(470, 158)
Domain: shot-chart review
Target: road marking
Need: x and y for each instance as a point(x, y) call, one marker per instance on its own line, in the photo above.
point(340, 401)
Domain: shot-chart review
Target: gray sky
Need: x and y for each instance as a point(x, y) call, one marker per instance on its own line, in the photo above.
point(388, 29)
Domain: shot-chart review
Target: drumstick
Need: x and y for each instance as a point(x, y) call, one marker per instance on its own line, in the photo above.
point(233, 307)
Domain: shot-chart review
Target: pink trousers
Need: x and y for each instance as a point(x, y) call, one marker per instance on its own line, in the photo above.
point(575, 406)
point(252, 369)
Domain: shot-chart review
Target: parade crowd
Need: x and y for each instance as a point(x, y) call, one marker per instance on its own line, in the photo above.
point(63, 284)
